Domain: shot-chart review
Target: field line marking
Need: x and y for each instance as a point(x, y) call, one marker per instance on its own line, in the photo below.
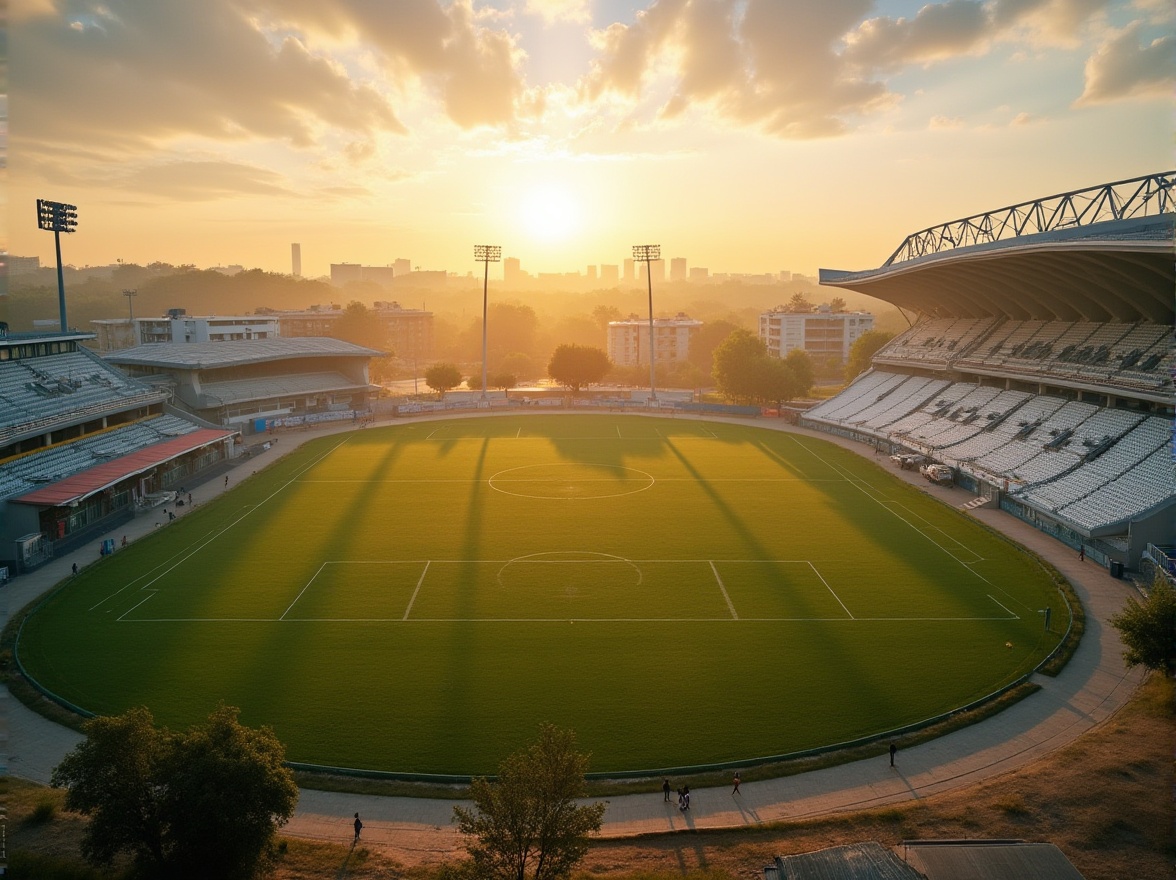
point(803, 476)
point(420, 581)
point(998, 602)
point(830, 589)
point(201, 544)
point(619, 437)
point(723, 590)
point(519, 433)
point(304, 589)
point(150, 593)
point(558, 619)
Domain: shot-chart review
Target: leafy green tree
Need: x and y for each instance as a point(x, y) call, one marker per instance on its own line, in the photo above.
point(362, 326)
point(527, 825)
point(443, 377)
point(704, 342)
point(775, 381)
point(803, 371)
point(603, 314)
point(503, 380)
point(203, 803)
point(837, 304)
point(520, 365)
point(799, 302)
point(737, 371)
point(1148, 628)
point(863, 349)
point(578, 365)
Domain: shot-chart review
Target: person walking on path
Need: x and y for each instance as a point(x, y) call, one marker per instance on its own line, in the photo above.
point(893, 752)
point(685, 798)
point(226, 481)
point(358, 828)
point(75, 569)
point(1082, 553)
point(735, 790)
point(666, 789)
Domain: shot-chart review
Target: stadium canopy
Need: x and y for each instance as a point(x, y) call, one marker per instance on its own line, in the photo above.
point(1104, 254)
point(236, 352)
point(92, 480)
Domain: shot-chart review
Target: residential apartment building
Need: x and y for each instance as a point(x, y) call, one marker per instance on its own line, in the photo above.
point(823, 333)
point(628, 340)
point(116, 334)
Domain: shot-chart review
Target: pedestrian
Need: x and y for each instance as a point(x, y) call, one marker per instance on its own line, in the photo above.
point(358, 827)
point(226, 481)
point(189, 499)
point(685, 798)
point(75, 569)
point(124, 541)
point(681, 800)
point(893, 752)
point(666, 789)
point(735, 790)
point(1082, 553)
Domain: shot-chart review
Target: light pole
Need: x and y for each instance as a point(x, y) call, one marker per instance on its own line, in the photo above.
point(58, 217)
point(485, 254)
point(130, 295)
point(648, 254)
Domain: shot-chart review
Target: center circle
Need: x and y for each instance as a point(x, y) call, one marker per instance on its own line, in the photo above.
point(571, 481)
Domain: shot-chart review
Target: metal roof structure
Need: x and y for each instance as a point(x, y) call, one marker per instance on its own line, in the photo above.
point(236, 352)
point(81, 485)
point(1106, 254)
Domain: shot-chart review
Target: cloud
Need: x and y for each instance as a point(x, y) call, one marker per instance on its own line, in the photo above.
point(1122, 69)
point(936, 32)
point(203, 181)
point(771, 64)
point(945, 123)
point(135, 73)
point(552, 11)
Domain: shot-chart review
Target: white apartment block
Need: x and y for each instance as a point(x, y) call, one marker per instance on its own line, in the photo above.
point(628, 340)
point(822, 333)
point(115, 334)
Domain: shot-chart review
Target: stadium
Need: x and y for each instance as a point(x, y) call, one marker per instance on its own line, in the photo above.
point(414, 598)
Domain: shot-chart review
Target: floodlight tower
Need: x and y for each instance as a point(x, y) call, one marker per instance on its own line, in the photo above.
point(58, 217)
point(648, 254)
point(485, 254)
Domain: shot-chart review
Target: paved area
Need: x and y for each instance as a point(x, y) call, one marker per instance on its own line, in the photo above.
point(1091, 688)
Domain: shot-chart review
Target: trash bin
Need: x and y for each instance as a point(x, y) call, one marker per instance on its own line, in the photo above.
point(1116, 568)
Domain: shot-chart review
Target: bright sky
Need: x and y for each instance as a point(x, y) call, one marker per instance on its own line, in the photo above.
point(744, 135)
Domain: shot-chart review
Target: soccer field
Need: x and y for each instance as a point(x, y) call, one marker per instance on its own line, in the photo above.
point(419, 597)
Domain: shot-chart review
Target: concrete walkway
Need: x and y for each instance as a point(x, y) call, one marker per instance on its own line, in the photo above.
point(1092, 687)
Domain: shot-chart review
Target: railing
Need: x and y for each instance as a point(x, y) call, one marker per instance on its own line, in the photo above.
point(1146, 196)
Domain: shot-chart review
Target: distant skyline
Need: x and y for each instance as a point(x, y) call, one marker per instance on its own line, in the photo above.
point(745, 135)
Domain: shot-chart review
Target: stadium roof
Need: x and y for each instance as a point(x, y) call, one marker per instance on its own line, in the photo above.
point(210, 355)
point(1105, 254)
point(85, 483)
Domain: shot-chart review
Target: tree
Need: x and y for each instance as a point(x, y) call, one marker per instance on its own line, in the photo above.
point(704, 342)
point(775, 381)
point(203, 803)
point(443, 377)
point(578, 365)
point(1148, 628)
point(603, 314)
point(799, 302)
point(737, 361)
point(363, 327)
point(862, 350)
point(804, 372)
point(527, 825)
point(503, 380)
point(519, 365)
point(837, 304)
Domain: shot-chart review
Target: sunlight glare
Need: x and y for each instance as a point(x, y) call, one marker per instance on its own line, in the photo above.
point(550, 214)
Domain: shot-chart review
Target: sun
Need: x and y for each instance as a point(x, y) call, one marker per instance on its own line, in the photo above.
point(550, 213)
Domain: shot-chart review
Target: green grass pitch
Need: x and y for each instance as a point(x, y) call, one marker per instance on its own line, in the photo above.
point(419, 597)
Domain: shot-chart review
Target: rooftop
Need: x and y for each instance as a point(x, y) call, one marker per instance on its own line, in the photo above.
point(209, 355)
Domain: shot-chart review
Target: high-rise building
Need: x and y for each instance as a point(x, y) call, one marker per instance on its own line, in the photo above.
point(296, 260)
point(657, 269)
point(341, 273)
point(591, 273)
point(678, 269)
point(628, 340)
point(610, 274)
point(629, 276)
point(822, 333)
point(512, 270)
point(699, 274)
point(401, 266)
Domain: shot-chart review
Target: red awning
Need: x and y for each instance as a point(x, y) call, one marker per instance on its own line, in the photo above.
point(95, 479)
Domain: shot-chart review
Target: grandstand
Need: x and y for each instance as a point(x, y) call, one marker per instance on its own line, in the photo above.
point(81, 446)
point(1039, 363)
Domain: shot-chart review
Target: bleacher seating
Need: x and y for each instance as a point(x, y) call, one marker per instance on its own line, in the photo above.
point(27, 472)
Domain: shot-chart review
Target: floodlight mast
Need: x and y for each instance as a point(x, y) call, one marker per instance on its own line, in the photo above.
point(58, 217)
point(485, 254)
point(648, 254)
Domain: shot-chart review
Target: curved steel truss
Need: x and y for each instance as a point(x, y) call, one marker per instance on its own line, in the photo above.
point(1150, 195)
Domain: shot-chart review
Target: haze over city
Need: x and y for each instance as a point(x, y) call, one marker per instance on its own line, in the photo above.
point(745, 135)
